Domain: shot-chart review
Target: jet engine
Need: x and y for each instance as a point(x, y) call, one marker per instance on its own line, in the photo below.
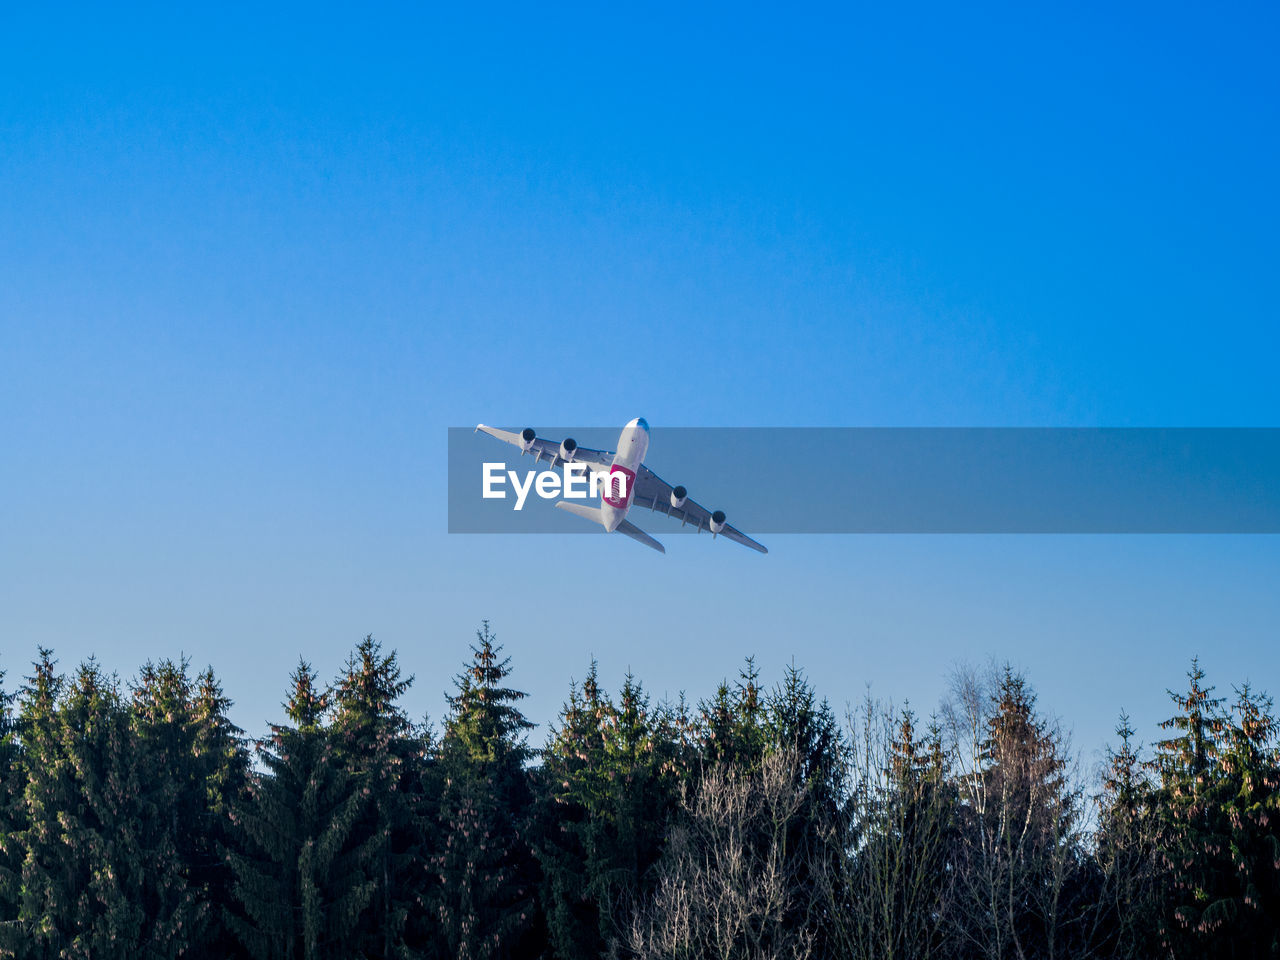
point(527, 436)
point(717, 521)
point(678, 496)
point(568, 447)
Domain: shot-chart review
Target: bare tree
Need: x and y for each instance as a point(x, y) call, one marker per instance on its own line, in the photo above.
point(1017, 860)
point(892, 888)
point(731, 884)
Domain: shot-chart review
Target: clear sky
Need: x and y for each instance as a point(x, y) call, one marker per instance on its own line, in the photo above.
point(255, 260)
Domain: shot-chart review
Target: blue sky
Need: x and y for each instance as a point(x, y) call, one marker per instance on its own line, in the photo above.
point(253, 264)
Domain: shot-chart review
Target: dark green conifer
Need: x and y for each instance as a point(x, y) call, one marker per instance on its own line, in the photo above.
point(1218, 838)
point(1192, 836)
point(797, 724)
point(795, 719)
point(611, 789)
point(12, 783)
point(374, 739)
point(221, 759)
point(732, 723)
point(301, 880)
point(485, 898)
point(1123, 917)
point(99, 879)
point(47, 893)
point(573, 753)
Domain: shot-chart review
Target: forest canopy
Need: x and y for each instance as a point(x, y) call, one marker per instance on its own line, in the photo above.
point(137, 821)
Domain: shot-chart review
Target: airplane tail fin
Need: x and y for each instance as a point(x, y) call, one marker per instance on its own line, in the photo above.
point(595, 515)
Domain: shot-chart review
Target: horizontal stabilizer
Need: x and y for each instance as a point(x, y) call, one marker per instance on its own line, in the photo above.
point(582, 510)
point(595, 515)
point(635, 533)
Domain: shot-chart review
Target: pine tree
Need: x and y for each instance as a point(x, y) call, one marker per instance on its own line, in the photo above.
point(107, 917)
point(1192, 836)
point(193, 765)
point(732, 723)
point(300, 878)
point(1251, 765)
point(573, 755)
point(611, 789)
point(1024, 763)
point(1123, 919)
point(170, 785)
point(12, 783)
point(1219, 838)
point(374, 740)
point(98, 879)
point(485, 899)
point(625, 839)
point(797, 720)
point(801, 726)
point(222, 770)
point(47, 888)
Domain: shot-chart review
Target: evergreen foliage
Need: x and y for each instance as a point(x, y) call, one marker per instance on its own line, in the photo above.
point(302, 873)
point(1126, 912)
point(12, 784)
point(374, 743)
point(611, 775)
point(1217, 826)
point(133, 824)
point(731, 725)
point(485, 900)
point(107, 881)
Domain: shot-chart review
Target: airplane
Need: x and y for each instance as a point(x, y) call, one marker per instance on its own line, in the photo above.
point(642, 486)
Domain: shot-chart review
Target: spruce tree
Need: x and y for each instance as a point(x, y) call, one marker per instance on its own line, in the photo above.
point(572, 756)
point(1192, 839)
point(107, 867)
point(301, 879)
point(485, 898)
point(732, 723)
point(12, 783)
point(99, 878)
point(625, 838)
point(612, 787)
point(1251, 764)
point(795, 719)
point(375, 742)
point(799, 725)
point(222, 771)
point(193, 765)
point(48, 889)
point(1123, 919)
point(170, 784)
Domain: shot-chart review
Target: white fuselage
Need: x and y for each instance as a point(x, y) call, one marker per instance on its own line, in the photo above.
point(618, 488)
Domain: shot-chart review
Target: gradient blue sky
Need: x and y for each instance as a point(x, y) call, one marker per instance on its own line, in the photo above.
point(254, 261)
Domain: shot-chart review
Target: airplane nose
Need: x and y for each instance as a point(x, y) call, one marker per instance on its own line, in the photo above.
point(642, 423)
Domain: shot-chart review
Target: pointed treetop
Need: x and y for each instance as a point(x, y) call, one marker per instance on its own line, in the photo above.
point(306, 705)
point(45, 685)
point(484, 721)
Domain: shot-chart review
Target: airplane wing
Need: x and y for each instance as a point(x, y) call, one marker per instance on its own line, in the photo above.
point(655, 493)
point(596, 460)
